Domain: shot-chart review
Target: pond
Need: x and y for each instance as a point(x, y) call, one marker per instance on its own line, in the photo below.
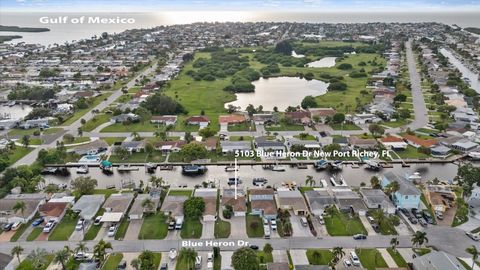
point(280, 91)
point(323, 63)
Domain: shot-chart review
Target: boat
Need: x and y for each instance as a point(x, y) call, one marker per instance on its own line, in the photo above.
point(414, 177)
point(127, 168)
point(82, 169)
point(150, 167)
point(63, 171)
point(231, 168)
point(324, 183)
point(232, 181)
point(172, 254)
point(338, 181)
point(474, 155)
point(373, 165)
point(106, 167)
point(259, 181)
point(336, 165)
point(278, 168)
point(320, 164)
point(49, 170)
point(193, 169)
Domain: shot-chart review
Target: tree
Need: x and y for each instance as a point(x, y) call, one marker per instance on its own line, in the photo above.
point(188, 255)
point(99, 250)
point(62, 257)
point(344, 66)
point(284, 47)
point(245, 259)
point(337, 86)
point(146, 260)
point(148, 205)
point(338, 253)
point(193, 207)
point(160, 104)
point(161, 134)
point(310, 181)
point(206, 132)
point(156, 181)
point(25, 140)
point(394, 243)
point(392, 187)
point(19, 206)
point(474, 252)
point(135, 264)
point(121, 152)
point(400, 98)
point(81, 247)
point(149, 148)
point(16, 252)
point(376, 129)
point(188, 137)
point(193, 151)
point(38, 258)
point(375, 182)
point(468, 175)
point(419, 238)
point(267, 248)
point(84, 185)
point(338, 118)
point(309, 102)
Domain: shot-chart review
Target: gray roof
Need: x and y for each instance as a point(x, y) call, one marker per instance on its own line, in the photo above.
point(133, 144)
point(263, 142)
point(437, 260)
point(88, 205)
point(118, 202)
point(236, 144)
point(374, 195)
point(137, 208)
point(319, 199)
point(355, 204)
point(466, 144)
point(406, 187)
point(94, 145)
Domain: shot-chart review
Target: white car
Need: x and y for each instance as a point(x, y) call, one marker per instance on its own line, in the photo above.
point(49, 226)
point(98, 220)
point(347, 263)
point(273, 224)
point(80, 224)
point(112, 230)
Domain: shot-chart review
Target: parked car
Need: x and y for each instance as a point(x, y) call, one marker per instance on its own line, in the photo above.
point(359, 237)
point(428, 217)
point(171, 225)
point(405, 212)
point(122, 265)
point(347, 263)
point(413, 220)
point(112, 230)
point(16, 225)
point(439, 215)
point(210, 257)
point(80, 224)
point(303, 221)
point(355, 259)
point(80, 256)
point(273, 224)
point(198, 262)
point(473, 236)
point(164, 266)
point(98, 220)
point(49, 226)
point(422, 222)
point(321, 220)
point(38, 221)
point(254, 247)
point(7, 227)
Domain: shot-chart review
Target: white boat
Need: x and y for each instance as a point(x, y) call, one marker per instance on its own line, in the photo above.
point(336, 165)
point(278, 168)
point(82, 169)
point(474, 155)
point(415, 176)
point(373, 165)
point(126, 168)
point(338, 181)
point(172, 254)
point(324, 183)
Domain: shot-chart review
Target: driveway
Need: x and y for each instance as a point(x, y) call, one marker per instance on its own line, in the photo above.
point(280, 255)
point(165, 259)
point(128, 257)
point(133, 229)
point(238, 228)
point(173, 235)
point(102, 232)
point(297, 228)
point(5, 236)
point(299, 257)
point(319, 228)
point(78, 235)
point(367, 225)
point(208, 230)
point(226, 260)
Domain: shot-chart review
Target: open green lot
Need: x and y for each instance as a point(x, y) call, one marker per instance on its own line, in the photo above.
point(192, 228)
point(319, 256)
point(340, 224)
point(27, 264)
point(180, 192)
point(370, 258)
point(222, 228)
point(154, 227)
point(409, 153)
point(63, 229)
point(96, 121)
point(254, 226)
point(112, 261)
point(34, 234)
point(17, 153)
point(79, 113)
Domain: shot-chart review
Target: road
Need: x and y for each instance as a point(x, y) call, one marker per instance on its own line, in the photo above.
point(73, 128)
point(451, 240)
point(419, 107)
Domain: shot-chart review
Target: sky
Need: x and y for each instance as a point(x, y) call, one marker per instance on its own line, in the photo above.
point(239, 5)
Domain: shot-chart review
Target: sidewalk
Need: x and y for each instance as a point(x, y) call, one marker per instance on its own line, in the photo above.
point(388, 259)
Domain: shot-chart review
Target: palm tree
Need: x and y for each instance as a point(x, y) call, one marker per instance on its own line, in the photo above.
point(338, 253)
point(161, 134)
point(394, 243)
point(99, 250)
point(17, 251)
point(37, 257)
point(188, 254)
point(375, 182)
point(62, 256)
point(135, 264)
point(419, 238)
point(81, 247)
point(310, 181)
point(393, 187)
point(19, 206)
point(332, 264)
point(148, 205)
point(156, 181)
point(474, 252)
point(135, 135)
point(25, 140)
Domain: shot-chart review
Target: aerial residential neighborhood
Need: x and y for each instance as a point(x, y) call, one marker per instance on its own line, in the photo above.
point(217, 140)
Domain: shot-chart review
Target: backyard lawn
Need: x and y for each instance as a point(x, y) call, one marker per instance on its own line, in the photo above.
point(63, 230)
point(154, 227)
point(222, 228)
point(340, 224)
point(409, 153)
point(254, 226)
point(79, 113)
point(319, 256)
point(192, 228)
point(180, 192)
point(370, 258)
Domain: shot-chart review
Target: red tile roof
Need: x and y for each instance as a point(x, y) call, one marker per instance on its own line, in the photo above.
point(232, 118)
point(425, 143)
point(198, 119)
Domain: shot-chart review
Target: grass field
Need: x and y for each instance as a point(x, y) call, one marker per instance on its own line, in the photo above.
point(112, 261)
point(79, 113)
point(192, 228)
point(222, 228)
point(410, 153)
point(96, 121)
point(28, 265)
point(94, 229)
point(154, 227)
point(339, 224)
point(255, 230)
point(63, 229)
point(180, 192)
point(319, 256)
point(17, 153)
point(34, 234)
point(399, 260)
point(370, 258)
point(122, 229)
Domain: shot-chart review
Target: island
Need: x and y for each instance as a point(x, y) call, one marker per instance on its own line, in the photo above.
point(6, 28)
point(8, 38)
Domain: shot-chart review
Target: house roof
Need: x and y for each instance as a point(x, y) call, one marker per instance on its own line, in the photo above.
point(138, 209)
point(374, 196)
point(228, 198)
point(93, 145)
point(354, 140)
point(322, 112)
point(7, 203)
point(298, 114)
point(422, 142)
point(263, 142)
point(197, 119)
point(268, 206)
point(206, 192)
point(210, 206)
point(174, 204)
point(406, 188)
point(319, 199)
point(52, 209)
point(231, 118)
point(165, 118)
point(118, 202)
point(437, 260)
point(261, 191)
point(88, 205)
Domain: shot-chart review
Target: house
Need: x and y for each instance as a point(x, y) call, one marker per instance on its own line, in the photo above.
point(209, 196)
point(262, 203)
point(418, 142)
point(164, 119)
point(437, 260)
point(364, 118)
point(265, 145)
point(318, 200)
point(32, 202)
point(291, 200)
point(262, 118)
point(440, 151)
point(116, 206)
point(124, 117)
point(377, 199)
point(229, 147)
point(299, 117)
point(210, 143)
point(35, 123)
point(53, 210)
point(91, 148)
point(393, 143)
point(465, 145)
point(239, 204)
point(322, 113)
point(200, 120)
point(169, 146)
point(88, 205)
point(408, 196)
point(349, 201)
point(231, 119)
point(133, 146)
point(137, 210)
point(357, 142)
point(173, 206)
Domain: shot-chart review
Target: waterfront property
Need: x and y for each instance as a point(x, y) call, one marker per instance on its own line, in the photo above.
point(291, 200)
point(239, 205)
point(377, 199)
point(408, 196)
point(349, 201)
point(138, 208)
point(32, 202)
point(318, 200)
point(209, 196)
point(88, 205)
point(262, 203)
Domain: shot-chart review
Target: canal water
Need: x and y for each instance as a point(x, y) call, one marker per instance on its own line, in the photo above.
point(280, 92)
point(353, 176)
point(466, 72)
